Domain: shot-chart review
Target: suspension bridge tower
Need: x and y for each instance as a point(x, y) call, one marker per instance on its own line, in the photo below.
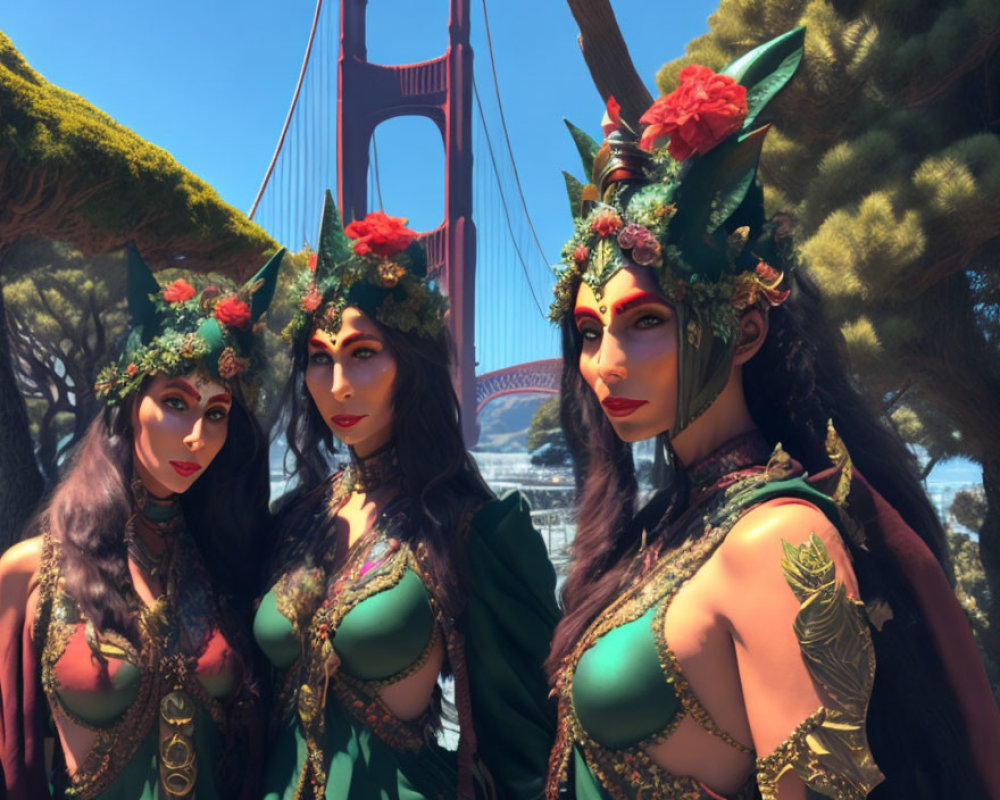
point(440, 89)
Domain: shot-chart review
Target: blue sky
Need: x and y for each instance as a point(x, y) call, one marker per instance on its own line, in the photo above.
point(211, 83)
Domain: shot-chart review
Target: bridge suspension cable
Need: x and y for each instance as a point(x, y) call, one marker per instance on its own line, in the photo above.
point(503, 200)
point(506, 135)
point(291, 109)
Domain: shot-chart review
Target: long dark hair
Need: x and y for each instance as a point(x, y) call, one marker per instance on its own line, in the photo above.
point(795, 383)
point(224, 510)
point(438, 477)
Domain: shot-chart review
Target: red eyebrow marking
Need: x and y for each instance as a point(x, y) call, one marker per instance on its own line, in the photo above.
point(357, 335)
point(638, 298)
point(220, 398)
point(583, 312)
point(315, 341)
point(184, 386)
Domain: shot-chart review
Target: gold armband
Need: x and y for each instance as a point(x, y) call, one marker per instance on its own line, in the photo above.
point(829, 751)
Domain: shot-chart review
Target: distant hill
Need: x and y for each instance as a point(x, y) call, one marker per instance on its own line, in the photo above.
point(503, 424)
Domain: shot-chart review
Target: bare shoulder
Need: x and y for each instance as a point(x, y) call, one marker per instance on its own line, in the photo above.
point(19, 567)
point(754, 548)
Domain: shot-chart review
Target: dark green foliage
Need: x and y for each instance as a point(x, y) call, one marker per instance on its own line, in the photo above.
point(546, 441)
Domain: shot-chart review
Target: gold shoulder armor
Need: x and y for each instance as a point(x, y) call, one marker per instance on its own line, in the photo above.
point(829, 751)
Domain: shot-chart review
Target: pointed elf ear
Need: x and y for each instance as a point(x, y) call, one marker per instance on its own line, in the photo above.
point(141, 284)
point(334, 247)
point(262, 285)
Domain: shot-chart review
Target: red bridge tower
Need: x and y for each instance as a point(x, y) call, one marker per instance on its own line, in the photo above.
point(440, 89)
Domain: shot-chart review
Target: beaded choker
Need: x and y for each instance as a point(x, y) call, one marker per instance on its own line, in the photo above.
point(156, 518)
point(367, 474)
point(733, 458)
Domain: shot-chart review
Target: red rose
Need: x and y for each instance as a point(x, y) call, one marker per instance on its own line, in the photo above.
point(581, 254)
point(131, 370)
point(606, 222)
point(179, 291)
point(380, 234)
point(766, 272)
point(233, 312)
point(311, 300)
point(313, 260)
point(697, 115)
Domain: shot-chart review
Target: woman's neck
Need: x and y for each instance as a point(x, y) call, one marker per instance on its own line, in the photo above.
point(727, 418)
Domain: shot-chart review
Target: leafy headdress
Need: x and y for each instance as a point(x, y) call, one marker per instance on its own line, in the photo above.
point(685, 200)
point(374, 264)
point(174, 329)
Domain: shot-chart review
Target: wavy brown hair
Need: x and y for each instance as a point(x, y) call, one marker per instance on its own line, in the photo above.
point(438, 477)
point(225, 510)
point(793, 385)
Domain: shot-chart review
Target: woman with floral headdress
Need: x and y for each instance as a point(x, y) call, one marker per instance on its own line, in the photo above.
point(403, 567)
point(124, 621)
point(753, 628)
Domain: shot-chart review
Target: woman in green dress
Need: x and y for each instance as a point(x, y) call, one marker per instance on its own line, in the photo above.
point(125, 619)
point(401, 568)
point(753, 630)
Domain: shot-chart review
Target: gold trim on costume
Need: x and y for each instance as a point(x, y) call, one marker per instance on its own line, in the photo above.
point(829, 750)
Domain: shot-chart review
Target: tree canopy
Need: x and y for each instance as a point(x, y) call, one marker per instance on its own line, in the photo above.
point(71, 173)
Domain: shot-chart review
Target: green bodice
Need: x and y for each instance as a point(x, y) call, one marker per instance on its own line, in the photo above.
point(379, 638)
point(620, 692)
point(622, 689)
point(337, 636)
point(116, 687)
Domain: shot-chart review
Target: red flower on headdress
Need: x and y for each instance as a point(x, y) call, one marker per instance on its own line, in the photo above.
point(311, 300)
point(179, 291)
point(766, 272)
point(132, 370)
point(606, 222)
point(641, 241)
point(231, 365)
point(612, 117)
point(581, 254)
point(233, 312)
point(313, 260)
point(697, 115)
point(380, 234)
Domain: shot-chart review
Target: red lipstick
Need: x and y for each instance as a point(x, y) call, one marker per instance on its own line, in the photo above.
point(621, 406)
point(347, 420)
point(185, 468)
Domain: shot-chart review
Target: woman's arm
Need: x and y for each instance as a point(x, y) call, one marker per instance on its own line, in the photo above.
point(803, 649)
point(21, 703)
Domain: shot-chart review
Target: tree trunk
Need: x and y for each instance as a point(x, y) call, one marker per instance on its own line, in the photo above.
point(989, 552)
point(21, 483)
point(608, 59)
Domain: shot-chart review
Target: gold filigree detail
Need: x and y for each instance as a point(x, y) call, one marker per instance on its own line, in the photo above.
point(836, 451)
point(829, 750)
point(629, 773)
point(178, 759)
point(165, 672)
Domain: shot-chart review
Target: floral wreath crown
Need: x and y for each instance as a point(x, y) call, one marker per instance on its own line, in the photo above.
point(383, 272)
point(174, 329)
point(684, 199)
